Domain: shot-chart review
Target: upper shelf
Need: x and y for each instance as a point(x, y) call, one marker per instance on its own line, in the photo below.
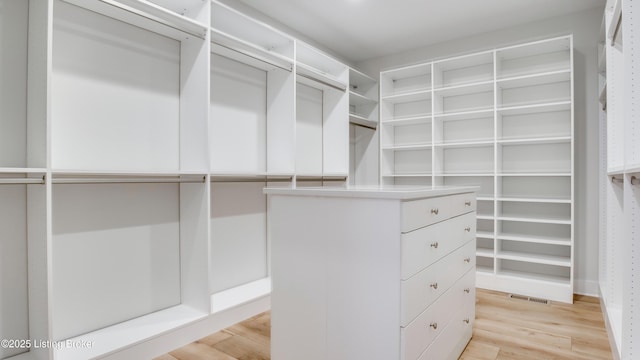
point(146, 15)
point(321, 68)
point(235, 31)
point(534, 58)
point(363, 85)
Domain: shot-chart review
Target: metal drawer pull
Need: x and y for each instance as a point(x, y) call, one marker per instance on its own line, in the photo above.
point(467, 259)
point(467, 229)
point(466, 320)
point(434, 285)
point(467, 203)
point(434, 325)
point(467, 290)
point(434, 245)
point(435, 211)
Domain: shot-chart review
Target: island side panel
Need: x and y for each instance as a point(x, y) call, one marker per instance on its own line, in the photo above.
point(335, 272)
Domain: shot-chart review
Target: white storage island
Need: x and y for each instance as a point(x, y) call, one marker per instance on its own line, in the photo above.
point(372, 273)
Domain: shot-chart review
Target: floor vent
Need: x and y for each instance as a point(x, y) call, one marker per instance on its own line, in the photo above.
point(527, 298)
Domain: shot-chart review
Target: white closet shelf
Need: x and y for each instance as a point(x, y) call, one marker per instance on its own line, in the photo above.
point(535, 108)
point(484, 269)
point(632, 168)
point(485, 197)
point(603, 97)
point(539, 220)
point(474, 174)
point(464, 61)
point(485, 217)
point(536, 141)
point(240, 295)
point(317, 78)
point(535, 79)
point(615, 24)
point(146, 15)
point(548, 240)
point(521, 275)
point(534, 258)
point(615, 170)
point(546, 200)
point(359, 80)
point(412, 120)
point(466, 89)
point(488, 253)
point(245, 52)
point(602, 58)
point(407, 175)
point(456, 114)
point(116, 337)
point(484, 234)
point(466, 144)
point(547, 46)
point(407, 147)
point(406, 97)
point(534, 174)
point(359, 99)
point(362, 121)
point(466, 115)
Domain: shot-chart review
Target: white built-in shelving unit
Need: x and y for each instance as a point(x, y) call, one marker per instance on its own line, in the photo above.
point(136, 137)
point(619, 186)
point(501, 120)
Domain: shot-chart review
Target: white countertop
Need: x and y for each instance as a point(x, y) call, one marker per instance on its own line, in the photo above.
point(375, 192)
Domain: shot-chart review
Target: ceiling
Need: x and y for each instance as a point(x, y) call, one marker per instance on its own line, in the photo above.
point(364, 29)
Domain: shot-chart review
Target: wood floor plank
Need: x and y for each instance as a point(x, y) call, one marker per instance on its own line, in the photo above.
point(241, 348)
point(197, 351)
point(165, 357)
point(505, 329)
point(477, 350)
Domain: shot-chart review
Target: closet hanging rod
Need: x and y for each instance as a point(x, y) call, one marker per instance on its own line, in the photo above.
point(617, 179)
point(363, 126)
point(21, 181)
point(322, 82)
point(127, 180)
point(245, 180)
point(321, 178)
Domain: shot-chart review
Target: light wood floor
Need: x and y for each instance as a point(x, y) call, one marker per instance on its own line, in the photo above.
point(504, 329)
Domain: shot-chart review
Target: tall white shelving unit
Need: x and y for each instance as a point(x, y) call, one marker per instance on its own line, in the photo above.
point(620, 169)
point(502, 120)
point(136, 137)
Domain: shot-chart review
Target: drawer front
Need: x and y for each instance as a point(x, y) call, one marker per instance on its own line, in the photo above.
point(420, 213)
point(463, 203)
point(420, 291)
point(423, 247)
point(418, 335)
point(452, 340)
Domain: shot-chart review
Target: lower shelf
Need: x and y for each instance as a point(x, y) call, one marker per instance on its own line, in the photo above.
point(535, 285)
point(111, 339)
point(239, 295)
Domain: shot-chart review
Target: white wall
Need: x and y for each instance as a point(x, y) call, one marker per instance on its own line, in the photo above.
point(585, 27)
